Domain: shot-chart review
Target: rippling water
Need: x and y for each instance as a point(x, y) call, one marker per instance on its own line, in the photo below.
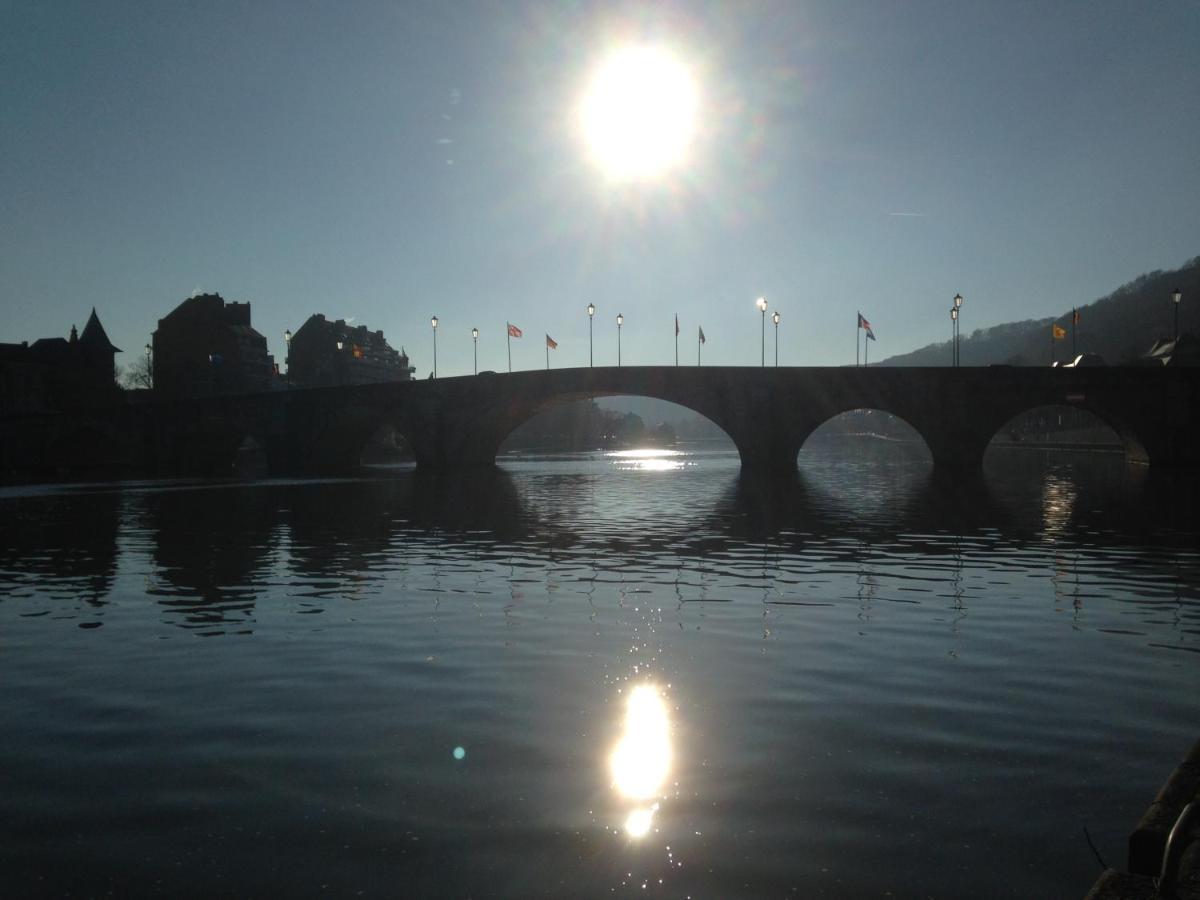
point(609, 674)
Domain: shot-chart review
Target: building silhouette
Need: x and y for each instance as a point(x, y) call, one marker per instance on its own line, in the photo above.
point(324, 353)
point(59, 373)
point(207, 346)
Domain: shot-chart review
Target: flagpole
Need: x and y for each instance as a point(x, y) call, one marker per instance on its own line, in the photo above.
point(866, 350)
point(508, 338)
point(698, 342)
point(547, 356)
point(1051, 343)
point(857, 329)
point(676, 339)
point(1074, 328)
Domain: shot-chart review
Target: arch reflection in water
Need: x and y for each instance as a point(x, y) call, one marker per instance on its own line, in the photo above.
point(641, 759)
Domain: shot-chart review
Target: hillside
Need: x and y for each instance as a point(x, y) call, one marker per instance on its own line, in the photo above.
point(1119, 327)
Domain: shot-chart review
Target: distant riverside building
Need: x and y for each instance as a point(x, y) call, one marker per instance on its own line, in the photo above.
point(59, 373)
point(325, 353)
point(207, 346)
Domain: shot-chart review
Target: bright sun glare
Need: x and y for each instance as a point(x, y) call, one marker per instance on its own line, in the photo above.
point(639, 113)
point(641, 759)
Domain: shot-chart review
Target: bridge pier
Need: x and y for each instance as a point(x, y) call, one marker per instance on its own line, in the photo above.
point(958, 455)
point(776, 459)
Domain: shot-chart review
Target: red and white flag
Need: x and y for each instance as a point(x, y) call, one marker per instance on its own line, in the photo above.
point(866, 326)
point(676, 324)
point(702, 336)
point(513, 330)
point(550, 342)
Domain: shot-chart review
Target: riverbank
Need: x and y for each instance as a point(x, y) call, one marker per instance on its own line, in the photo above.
point(1151, 868)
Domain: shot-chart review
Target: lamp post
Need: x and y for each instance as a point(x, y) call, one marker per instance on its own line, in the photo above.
point(1176, 297)
point(591, 315)
point(475, 347)
point(620, 322)
point(957, 329)
point(149, 367)
point(775, 319)
point(287, 356)
point(954, 337)
point(761, 303)
point(433, 322)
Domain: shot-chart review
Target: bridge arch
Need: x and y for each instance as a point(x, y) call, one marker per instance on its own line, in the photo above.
point(581, 424)
point(1069, 425)
point(857, 424)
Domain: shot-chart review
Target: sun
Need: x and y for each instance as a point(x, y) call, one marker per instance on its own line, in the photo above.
point(638, 113)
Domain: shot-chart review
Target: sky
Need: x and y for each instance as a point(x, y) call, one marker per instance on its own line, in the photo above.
point(388, 162)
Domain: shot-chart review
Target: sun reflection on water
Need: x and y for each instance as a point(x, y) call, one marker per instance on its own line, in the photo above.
point(648, 459)
point(641, 759)
point(1059, 495)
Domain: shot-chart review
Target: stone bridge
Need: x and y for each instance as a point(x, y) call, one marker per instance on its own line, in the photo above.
point(767, 412)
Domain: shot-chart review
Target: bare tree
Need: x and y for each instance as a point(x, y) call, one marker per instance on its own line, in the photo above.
point(138, 375)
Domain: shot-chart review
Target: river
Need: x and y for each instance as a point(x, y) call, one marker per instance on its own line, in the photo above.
point(632, 674)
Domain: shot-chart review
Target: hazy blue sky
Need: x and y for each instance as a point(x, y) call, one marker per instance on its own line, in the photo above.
point(390, 161)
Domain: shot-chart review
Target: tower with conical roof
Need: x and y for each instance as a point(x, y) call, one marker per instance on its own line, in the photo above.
point(95, 348)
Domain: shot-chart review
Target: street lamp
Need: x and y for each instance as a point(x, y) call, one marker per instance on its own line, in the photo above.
point(1177, 296)
point(957, 329)
point(287, 356)
point(775, 319)
point(761, 303)
point(149, 379)
point(591, 313)
point(954, 336)
point(620, 322)
point(475, 345)
point(433, 322)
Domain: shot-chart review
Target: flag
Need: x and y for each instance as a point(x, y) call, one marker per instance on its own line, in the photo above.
point(864, 324)
point(676, 324)
point(550, 342)
point(702, 336)
point(513, 330)
point(1058, 331)
point(356, 351)
point(1074, 317)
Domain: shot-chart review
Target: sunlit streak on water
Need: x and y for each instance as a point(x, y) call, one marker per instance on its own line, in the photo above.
point(641, 759)
point(1058, 503)
point(649, 459)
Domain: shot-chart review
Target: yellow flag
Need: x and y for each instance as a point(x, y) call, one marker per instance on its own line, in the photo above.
point(1059, 331)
